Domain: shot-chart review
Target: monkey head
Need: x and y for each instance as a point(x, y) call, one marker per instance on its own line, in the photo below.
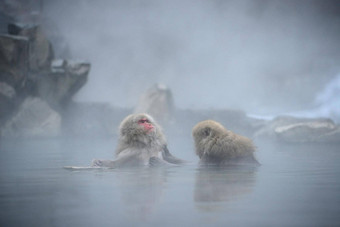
point(140, 127)
point(208, 128)
point(205, 135)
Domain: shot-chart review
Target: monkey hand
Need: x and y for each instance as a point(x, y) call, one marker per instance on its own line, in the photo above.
point(97, 163)
point(104, 163)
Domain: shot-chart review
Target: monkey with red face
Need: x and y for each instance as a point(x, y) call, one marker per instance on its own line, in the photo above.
point(141, 142)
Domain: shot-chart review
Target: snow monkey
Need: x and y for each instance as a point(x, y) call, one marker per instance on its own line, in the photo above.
point(216, 145)
point(141, 142)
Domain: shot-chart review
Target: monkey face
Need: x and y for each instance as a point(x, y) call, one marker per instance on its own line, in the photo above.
point(148, 126)
point(140, 129)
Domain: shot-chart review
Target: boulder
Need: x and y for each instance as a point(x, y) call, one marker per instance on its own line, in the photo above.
point(300, 130)
point(34, 119)
point(13, 60)
point(40, 49)
point(331, 136)
point(5, 19)
point(7, 101)
point(64, 80)
point(158, 102)
point(78, 73)
point(58, 66)
point(6, 91)
point(28, 69)
point(304, 131)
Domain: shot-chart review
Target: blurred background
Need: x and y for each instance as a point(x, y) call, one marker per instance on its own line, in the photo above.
point(260, 56)
point(264, 58)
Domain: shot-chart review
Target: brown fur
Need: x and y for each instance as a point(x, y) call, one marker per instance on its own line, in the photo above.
point(217, 145)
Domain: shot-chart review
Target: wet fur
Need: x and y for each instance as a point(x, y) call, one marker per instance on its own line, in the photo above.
point(133, 136)
point(216, 145)
point(136, 146)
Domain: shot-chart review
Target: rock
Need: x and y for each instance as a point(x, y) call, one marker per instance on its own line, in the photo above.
point(300, 130)
point(40, 49)
point(58, 66)
point(268, 129)
point(304, 131)
point(7, 101)
point(13, 60)
point(27, 69)
point(65, 79)
point(7, 91)
point(78, 73)
point(330, 137)
point(15, 28)
point(34, 119)
point(158, 102)
point(5, 19)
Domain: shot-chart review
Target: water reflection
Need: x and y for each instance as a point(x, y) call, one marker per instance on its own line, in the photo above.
point(222, 184)
point(296, 185)
point(141, 190)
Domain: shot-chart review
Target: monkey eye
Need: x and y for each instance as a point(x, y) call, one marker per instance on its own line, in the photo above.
point(142, 121)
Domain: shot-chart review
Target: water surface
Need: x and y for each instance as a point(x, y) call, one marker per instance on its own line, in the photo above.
point(297, 185)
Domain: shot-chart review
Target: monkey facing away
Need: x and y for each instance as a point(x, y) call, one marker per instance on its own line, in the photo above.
point(215, 144)
point(141, 142)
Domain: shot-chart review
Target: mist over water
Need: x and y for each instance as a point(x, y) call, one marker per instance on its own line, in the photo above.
point(297, 185)
point(326, 104)
point(258, 56)
point(262, 56)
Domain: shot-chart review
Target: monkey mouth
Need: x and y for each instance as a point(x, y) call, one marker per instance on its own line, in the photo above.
point(146, 124)
point(148, 128)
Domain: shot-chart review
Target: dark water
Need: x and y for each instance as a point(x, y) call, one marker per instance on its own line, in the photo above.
point(295, 186)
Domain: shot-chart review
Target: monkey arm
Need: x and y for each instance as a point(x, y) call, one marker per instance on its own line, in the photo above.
point(127, 157)
point(157, 162)
point(167, 156)
point(104, 163)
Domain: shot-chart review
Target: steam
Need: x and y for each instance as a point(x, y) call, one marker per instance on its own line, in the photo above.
point(259, 56)
point(328, 100)
point(326, 104)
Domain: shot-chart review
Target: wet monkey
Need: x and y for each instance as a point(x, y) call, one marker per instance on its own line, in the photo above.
point(214, 144)
point(141, 142)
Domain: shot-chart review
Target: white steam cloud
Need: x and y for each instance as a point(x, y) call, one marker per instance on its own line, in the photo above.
point(260, 56)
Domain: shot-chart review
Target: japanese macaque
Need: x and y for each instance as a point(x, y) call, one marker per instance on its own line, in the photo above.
point(216, 145)
point(141, 142)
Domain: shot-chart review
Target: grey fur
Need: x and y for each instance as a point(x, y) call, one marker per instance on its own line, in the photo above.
point(216, 145)
point(135, 145)
point(167, 156)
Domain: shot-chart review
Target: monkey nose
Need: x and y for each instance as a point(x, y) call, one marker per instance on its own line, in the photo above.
point(149, 126)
